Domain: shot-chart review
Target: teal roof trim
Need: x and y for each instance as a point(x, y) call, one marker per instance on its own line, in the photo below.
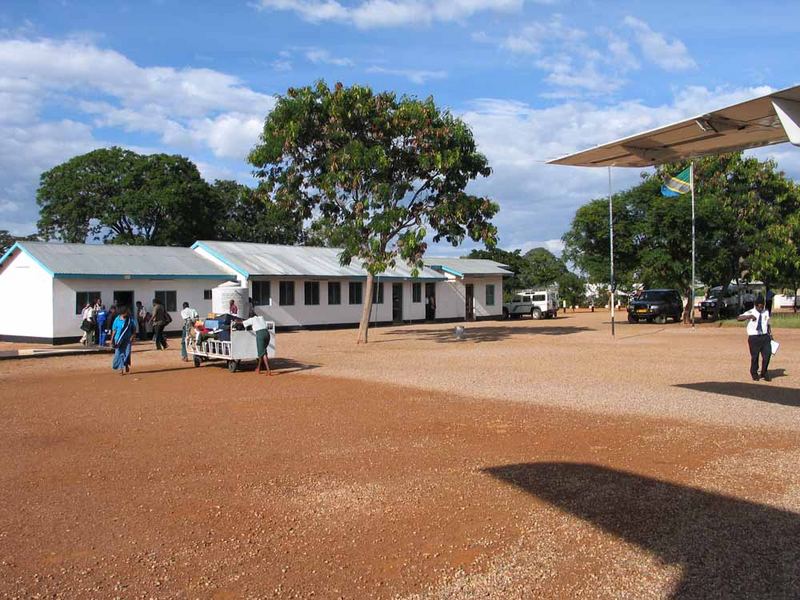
point(21, 248)
point(221, 258)
point(139, 276)
point(448, 270)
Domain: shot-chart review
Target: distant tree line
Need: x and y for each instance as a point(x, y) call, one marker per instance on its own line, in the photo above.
point(537, 268)
point(747, 228)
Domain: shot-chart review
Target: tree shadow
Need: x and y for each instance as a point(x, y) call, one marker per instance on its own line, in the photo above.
point(761, 391)
point(478, 334)
point(728, 548)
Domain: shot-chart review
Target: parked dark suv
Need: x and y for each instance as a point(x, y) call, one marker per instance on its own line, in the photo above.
point(656, 306)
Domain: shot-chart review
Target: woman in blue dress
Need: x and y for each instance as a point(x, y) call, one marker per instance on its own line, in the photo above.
point(123, 331)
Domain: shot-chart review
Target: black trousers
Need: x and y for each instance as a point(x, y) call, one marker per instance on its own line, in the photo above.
point(759, 344)
point(158, 336)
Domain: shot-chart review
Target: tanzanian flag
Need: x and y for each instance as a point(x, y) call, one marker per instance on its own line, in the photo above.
point(679, 184)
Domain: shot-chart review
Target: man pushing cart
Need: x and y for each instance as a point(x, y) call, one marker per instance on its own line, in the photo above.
point(226, 338)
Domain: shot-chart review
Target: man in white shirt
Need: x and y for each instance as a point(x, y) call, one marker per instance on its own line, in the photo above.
point(759, 336)
point(189, 316)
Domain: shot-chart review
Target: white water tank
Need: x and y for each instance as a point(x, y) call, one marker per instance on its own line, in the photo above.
point(222, 295)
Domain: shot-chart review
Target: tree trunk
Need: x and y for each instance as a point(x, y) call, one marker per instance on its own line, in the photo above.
point(363, 328)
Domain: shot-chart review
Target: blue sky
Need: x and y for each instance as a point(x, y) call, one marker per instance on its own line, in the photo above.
point(534, 79)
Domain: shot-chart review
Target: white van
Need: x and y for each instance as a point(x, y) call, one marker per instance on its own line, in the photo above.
point(539, 304)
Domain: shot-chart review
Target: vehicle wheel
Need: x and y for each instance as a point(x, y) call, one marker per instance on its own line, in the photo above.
point(660, 319)
point(703, 316)
point(233, 365)
point(505, 314)
point(536, 313)
point(196, 361)
point(632, 319)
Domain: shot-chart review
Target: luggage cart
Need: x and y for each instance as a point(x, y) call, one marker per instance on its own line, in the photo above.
point(241, 348)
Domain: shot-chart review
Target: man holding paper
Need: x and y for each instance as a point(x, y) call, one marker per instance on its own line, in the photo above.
point(759, 336)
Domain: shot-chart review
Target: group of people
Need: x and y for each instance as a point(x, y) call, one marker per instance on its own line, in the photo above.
point(122, 326)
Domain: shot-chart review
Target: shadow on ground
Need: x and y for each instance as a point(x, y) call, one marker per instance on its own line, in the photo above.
point(281, 366)
point(761, 391)
point(481, 333)
point(727, 548)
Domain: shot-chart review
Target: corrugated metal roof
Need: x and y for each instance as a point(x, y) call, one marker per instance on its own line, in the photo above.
point(297, 261)
point(467, 266)
point(110, 260)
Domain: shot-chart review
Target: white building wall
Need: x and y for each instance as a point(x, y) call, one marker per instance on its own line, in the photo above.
point(451, 297)
point(67, 323)
point(482, 309)
point(299, 314)
point(26, 298)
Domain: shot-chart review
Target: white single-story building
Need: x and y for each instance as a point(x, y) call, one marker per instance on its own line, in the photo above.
point(44, 286)
point(303, 286)
point(472, 290)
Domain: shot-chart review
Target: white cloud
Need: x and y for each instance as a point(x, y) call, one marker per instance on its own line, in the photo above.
point(414, 75)
point(186, 109)
point(369, 14)
point(669, 55)
point(539, 200)
point(320, 56)
point(577, 62)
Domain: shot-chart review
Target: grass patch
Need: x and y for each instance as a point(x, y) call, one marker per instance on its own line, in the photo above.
point(778, 321)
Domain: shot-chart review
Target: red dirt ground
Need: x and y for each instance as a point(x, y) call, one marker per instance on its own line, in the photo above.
point(182, 482)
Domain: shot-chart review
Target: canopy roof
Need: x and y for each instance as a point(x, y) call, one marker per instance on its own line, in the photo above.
point(770, 119)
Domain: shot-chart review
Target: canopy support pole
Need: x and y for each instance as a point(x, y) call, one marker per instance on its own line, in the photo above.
point(691, 296)
point(611, 241)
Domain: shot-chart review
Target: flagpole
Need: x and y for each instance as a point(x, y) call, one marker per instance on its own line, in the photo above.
point(611, 238)
point(691, 298)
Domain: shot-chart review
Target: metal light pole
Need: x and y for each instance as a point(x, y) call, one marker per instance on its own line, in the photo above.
point(691, 296)
point(611, 238)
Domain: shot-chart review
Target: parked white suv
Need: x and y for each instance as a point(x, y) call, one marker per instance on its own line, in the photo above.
point(538, 304)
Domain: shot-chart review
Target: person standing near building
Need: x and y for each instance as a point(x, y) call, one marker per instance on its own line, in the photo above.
point(189, 316)
point(123, 332)
point(86, 324)
point(232, 308)
point(102, 316)
point(140, 314)
point(160, 320)
point(259, 326)
point(759, 336)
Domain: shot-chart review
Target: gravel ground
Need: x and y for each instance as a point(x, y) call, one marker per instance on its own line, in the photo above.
point(531, 459)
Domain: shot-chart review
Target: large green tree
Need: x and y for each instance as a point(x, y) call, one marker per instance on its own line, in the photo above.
point(514, 262)
point(116, 195)
point(542, 268)
point(246, 215)
point(381, 173)
point(738, 200)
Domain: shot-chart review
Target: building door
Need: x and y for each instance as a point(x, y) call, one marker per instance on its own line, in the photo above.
point(469, 311)
point(430, 301)
point(123, 299)
point(397, 302)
